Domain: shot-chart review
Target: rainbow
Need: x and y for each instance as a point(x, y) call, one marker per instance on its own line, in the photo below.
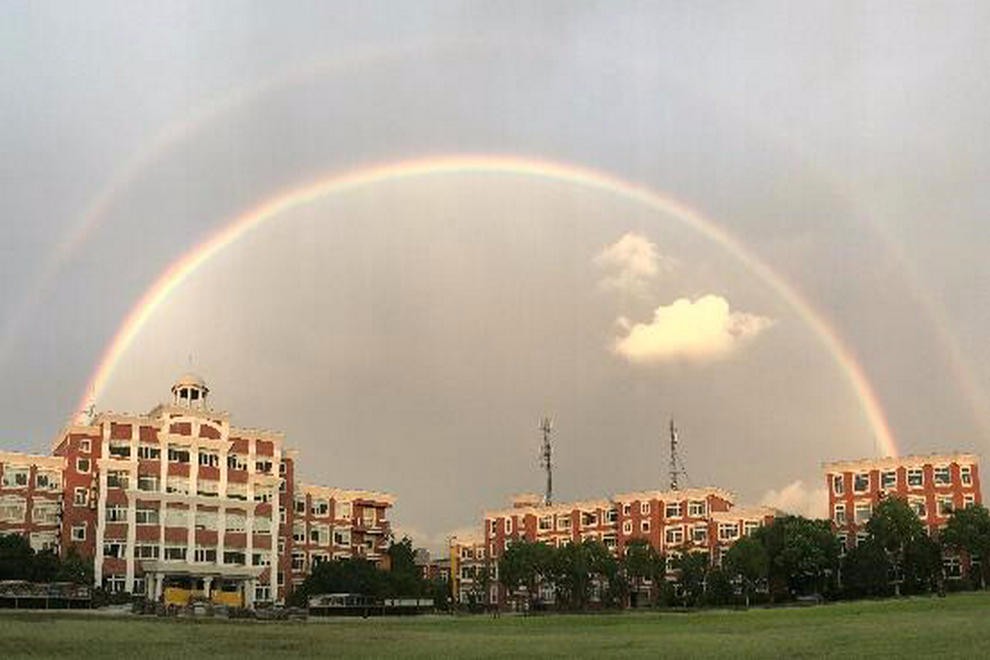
point(336, 184)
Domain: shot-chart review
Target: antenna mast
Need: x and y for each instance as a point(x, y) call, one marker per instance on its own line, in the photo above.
point(675, 461)
point(546, 425)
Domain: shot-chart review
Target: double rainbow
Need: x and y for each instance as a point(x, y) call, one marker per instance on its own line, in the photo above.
point(336, 184)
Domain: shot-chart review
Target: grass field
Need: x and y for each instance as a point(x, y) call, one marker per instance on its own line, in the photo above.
point(957, 626)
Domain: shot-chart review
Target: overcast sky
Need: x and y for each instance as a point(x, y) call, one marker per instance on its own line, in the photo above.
point(408, 336)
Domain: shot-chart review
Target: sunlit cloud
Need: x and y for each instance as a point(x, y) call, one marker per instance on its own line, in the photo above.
point(797, 498)
point(437, 544)
point(629, 265)
point(703, 330)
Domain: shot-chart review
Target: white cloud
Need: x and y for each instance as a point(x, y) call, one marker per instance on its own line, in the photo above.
point(629, 264)
point(700, 331)
point(798, 499)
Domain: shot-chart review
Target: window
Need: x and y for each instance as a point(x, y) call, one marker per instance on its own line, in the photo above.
point(612, 515)
point(120, 449)
point(696, 509)
point(14, 477)
point(969, 500)
point(46, 481)
point(12, 509)
point(944, 506)
point(299, 533)
point(82, 465)
point(78, 532)
point(115, 584)
point(321, 508)
point(627, 527)
point(915, 477)
point(263, 494)
point(235, 557)
point(281, 515)
point(281, 544)
point(675, 535)
point(644, 526)
point(941, 475)
point(728, 531)
point(843, 542)
point(138, 586)
point(175, 553)
point(626, 509)
point(281, 468)
point(264, 467)
point(235, 521)
point(342, 537)
point(299, 561)
point(917, 505)
point(888, 479)
point(673, 510)
point(209, 459)
point(608, 540)
point(952, 567)
point(750, 526)
point(206, 520)
point(262, 525)
point(299, 506)
point(563, 522)
point(344, 510)
point(45, 512)
point(700, 534)
point(508, 525)
point(177, 485)
point(966, 475)
point(204, 554)
point(839, 516)
point(118, 479)
point(261, 559)
point(588, 519)
point(838, 484)
point(861, 538)
point(116, 513)
point(149, 452)
point(80, 497)
point(148, 483)
point(85, 446)
point(178, 454)
point(236, 462)
point(115, 548)
point(262, 593)
point(319, 534)
point(644, 508)
point(146, 551)
point(147, 516)
point(863, 513)
point(237, 491)
point(546, 523)
point(176, 517)
point(207, 487)
point(861, 482)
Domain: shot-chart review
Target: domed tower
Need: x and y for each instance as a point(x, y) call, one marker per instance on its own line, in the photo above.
point(190, 391)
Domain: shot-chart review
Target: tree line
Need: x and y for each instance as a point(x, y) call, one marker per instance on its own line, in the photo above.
point(19, 561)
point(793, 557)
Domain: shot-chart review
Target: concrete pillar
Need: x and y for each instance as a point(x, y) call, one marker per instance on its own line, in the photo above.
point(248, 587)
point(208, 587)
point(159, 581)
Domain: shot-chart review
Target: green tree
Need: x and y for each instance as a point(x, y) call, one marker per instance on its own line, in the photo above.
point(718, 588)
point(968, 531)
point(404, 578)
point(75, 568)
point(865, 571)
point(895, 527)
point(803, 555)
point(16, 558)
point(692, 570)
point(643, 565)
point(524, 565)
point(747, 560)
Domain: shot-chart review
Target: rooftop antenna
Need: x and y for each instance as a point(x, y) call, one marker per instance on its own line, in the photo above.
point(546, 426)
point(676, 467)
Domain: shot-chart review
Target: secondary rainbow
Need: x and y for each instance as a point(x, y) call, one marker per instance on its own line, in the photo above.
point(335, 184)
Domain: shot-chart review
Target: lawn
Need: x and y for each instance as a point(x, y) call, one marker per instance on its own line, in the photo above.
point(957, 626)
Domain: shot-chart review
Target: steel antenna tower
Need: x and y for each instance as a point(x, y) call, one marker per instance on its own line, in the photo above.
point(546, 426)
point(675, 462)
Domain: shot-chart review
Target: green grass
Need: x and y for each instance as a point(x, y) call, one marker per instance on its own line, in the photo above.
point(957, 626)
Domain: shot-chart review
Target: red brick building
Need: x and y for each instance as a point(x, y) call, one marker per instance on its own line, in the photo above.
point(179, 494)
point(673, 522)
point(932, 485)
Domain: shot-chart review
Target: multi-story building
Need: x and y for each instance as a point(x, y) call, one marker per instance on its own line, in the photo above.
point(31, 498)
point(179, 497)
point(468, 563)
point(672, 522)
point(932, 485)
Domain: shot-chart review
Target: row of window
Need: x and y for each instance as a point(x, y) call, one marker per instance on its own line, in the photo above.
point(117, 584)
point(13, 509)
point(562, 522)
point(321, 508)
point(862, 512)
point(321, 535)
point(19, 477)
point(941, 476)
point(181, 485)
point(204, 520)
point(117, 548)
